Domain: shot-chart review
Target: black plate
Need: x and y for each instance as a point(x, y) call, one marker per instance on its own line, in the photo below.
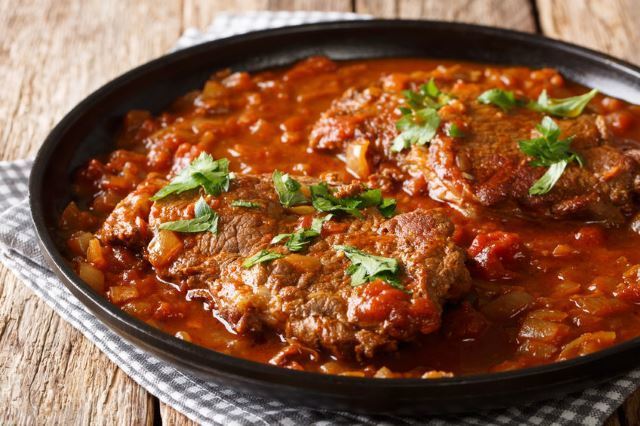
point(90, 127)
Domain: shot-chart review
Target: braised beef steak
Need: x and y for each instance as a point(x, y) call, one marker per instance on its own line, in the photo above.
point(307, 296)
point(485, 167)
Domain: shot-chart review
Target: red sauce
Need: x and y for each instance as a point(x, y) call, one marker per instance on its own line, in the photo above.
point(537, 285)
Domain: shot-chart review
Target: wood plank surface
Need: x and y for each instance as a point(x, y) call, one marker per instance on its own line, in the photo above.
point(53, 53)
point(514, 14)
point(611, 26)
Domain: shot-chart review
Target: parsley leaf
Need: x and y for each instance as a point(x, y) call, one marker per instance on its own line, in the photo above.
point(387, 207)
point(504, 99)
point(288, 189)
point(366, 267)
point(420, 121)
point(206, 220)
point(298, 240)
point(261, 257)
point(212, 175)
point(453, 131)
point(244, 203)
point(548, 151)
point(568, 107)
point(416, 129)
point(323, 200)
point(427, 96)
point(549, 179)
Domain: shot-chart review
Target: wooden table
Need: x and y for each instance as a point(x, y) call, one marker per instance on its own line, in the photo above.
point(53, 53)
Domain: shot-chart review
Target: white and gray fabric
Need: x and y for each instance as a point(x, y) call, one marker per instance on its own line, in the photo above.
point(207, 402)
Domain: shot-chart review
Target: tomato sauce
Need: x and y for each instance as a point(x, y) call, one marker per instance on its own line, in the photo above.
point(543, 290)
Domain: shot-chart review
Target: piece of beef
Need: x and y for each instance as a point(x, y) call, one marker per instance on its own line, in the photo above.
point(486, 167)
point(308, 296)
point(127, 223)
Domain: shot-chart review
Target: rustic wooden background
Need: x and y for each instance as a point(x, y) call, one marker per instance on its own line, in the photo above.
point(53, 53)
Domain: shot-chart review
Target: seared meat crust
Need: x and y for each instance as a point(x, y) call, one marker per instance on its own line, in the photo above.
point(127, 223)
point(307, 296)
point(485, 168)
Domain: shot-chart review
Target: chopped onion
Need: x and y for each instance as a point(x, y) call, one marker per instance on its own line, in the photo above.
point(122, 293)
point(302, 262)
point(356, 158)
point(92, 276)
point(95, 255)
point(164, 246)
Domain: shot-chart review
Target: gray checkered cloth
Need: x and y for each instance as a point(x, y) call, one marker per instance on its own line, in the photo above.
point(207, 402)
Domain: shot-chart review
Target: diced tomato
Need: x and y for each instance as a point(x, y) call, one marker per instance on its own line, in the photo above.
point(590, 236)
point(378, 301)
point(305, 221)
point(621, 121)
point(495, 254)
point(167, 310)
point(311, 66)
point(465, 322)
point(629, 289)
point(332, 227)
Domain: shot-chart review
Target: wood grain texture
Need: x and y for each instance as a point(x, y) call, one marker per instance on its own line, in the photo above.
point(611, 26)
point(515, 14)
point(53, 53)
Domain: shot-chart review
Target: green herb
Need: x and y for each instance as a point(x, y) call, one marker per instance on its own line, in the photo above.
point(453, 131)
point(261, 257)
point(387, 207)
point(427, 96)
point(204, 171)
point(323, 200)
point(298, 240)
point(206, 220)
point(366, 267)
point(549, 151)
point(288, 189)
point(502, 98)
point(549, 179)
point(420, 121)
point(417, 128)
point(567, 107)
point(244, 203)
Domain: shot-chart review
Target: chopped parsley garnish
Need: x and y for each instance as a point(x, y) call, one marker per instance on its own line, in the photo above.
point(568, 107)
point(298, 240)
point(420, 121)
point(416, 128)
point(387, 207)
point(206, 220)
point(290, 194)
point(549, 151)
point(261, 257)
point(504, 99)
point(245, 203)
point(204, 171)
point(453, 131)
point(323, 200)
point(288, 189)
point(366, 267)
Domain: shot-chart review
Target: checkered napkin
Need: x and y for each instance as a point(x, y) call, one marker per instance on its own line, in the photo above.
point(207, 402)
